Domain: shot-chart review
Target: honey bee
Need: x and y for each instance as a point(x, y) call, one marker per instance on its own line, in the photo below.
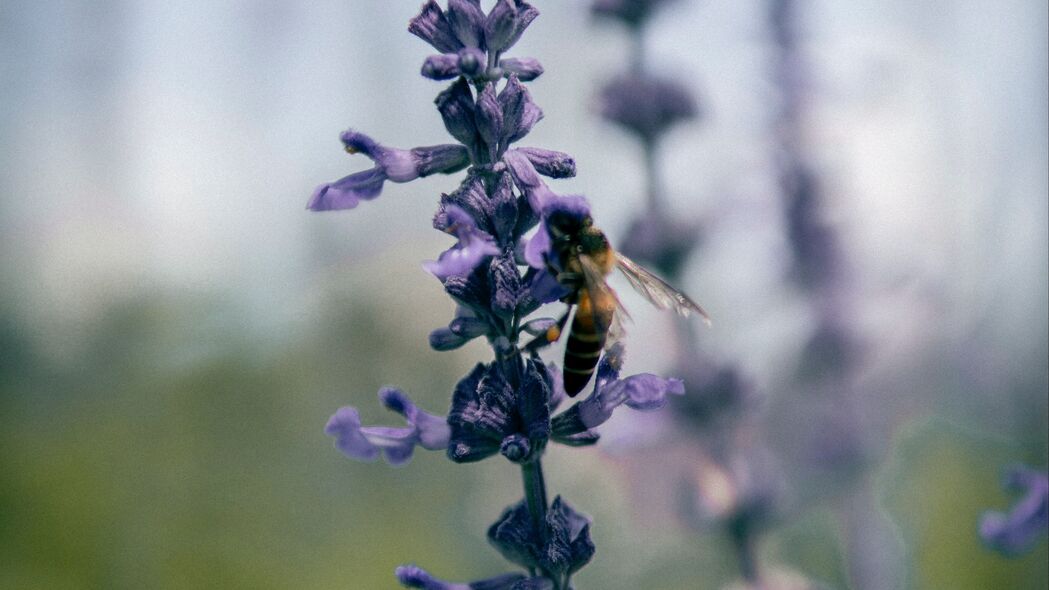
point(583, 259)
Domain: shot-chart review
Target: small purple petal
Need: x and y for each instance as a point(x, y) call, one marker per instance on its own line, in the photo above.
point(647, 391)
point(456, 105)
point(431, 26)
point(467, 21)
point(545, 288)
point(525, 68)
point(357, 142)
point(444, 339)
point(441, 67)
point(345, 426)
point(489, 118)
point(501, 24)
point(520, 114)
point(445, 158)
point(522, 170)
point(536, 252)
point(348, 192)
point(461, 259)
point(549, 162)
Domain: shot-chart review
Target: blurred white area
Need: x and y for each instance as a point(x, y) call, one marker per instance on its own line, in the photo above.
point(171, 146)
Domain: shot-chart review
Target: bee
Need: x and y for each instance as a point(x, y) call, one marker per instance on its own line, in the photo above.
point(583, 258)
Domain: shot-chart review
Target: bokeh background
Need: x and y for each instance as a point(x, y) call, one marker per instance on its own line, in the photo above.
point(175, 328)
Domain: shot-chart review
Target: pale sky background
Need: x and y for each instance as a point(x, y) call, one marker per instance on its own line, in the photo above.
point(171, 146)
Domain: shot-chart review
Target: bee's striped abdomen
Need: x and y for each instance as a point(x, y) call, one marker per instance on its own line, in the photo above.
point(583, 349)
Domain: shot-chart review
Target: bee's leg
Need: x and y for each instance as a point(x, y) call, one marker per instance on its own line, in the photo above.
point(552, 334)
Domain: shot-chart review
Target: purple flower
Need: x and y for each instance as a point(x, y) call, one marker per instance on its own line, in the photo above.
point(519, 112)
point(490, 415)
point(432, 26)
point(392, 164)
point(506, 22)
point(646, 104)
point(561, 547)
point(1016, 532)
point(397, 443)
point(631, 12)
point(473, 247)
point(413, 576)
point(643, 392)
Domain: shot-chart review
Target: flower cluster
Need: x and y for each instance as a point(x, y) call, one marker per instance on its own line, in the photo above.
point(498, 275)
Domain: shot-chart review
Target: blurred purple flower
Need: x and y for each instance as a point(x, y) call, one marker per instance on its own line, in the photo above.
point(645, 104)
point(392, 164)
point(1016, 532)
point(630, 12)
point(397, 443)
point(473, 247)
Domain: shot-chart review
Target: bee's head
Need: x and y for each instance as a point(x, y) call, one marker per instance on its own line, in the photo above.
point(567, 216)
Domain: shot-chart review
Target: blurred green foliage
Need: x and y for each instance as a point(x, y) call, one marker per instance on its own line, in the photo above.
point(166, 453)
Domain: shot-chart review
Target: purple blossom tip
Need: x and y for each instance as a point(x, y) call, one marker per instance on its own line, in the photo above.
point(506, 22)
point(525, 68)
point(431, 25)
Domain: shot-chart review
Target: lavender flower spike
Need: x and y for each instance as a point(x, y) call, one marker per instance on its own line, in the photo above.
point(365, 443)
point(1018, 531)
point(390, 164)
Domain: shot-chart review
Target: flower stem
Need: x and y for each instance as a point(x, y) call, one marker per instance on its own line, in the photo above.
point(535, 492)
point(535, 498)
point(744, 544)
point(653, 181)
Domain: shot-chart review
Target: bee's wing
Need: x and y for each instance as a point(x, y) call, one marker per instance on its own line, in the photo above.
point(602, 296)
point(657, 290)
